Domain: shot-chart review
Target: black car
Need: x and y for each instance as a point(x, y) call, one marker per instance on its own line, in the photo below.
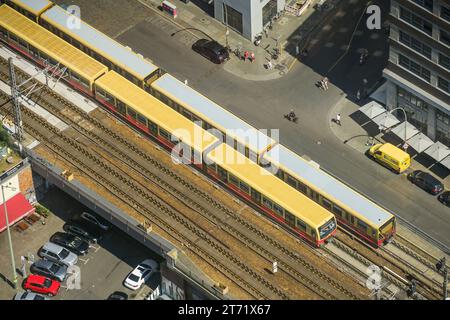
point(426, 181)
point(212, 50)
point(83, 231)
point(445, 198)
point(118, 295)
point(71, 242)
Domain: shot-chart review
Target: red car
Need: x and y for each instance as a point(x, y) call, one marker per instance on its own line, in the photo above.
point(41, 284)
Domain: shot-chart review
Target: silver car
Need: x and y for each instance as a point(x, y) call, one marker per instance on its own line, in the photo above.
point(29, 296)
point(49, 269)
point(56, 253)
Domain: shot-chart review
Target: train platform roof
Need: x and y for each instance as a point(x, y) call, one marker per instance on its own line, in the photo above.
point(99, 42)
point(156, 111)
point(217, 116)
point(36, 7)
point(51, 45)
point(333, 189)
point(269, 185)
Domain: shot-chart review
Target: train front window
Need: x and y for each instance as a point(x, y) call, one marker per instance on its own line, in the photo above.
point(327, 228)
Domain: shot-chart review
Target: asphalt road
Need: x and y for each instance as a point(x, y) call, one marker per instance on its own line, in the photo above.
point(263, 104)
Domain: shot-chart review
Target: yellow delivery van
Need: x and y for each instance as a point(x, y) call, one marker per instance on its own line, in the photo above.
point(390, 156)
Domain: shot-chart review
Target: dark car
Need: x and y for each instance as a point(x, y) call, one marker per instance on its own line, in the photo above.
point(426, 181)
point(49, 269)
point(93, 219)
point(118, 295)
point(445, 198)
point(212, 50)
point(71, 242)
point(83, 231)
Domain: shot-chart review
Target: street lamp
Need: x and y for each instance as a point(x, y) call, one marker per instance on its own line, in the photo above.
point(227, 32)
point(9, 233)
point(406, 119)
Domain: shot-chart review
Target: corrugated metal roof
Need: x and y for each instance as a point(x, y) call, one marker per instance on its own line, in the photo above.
point(100, 43)
point(34, 6)
point(153, 109)
point(50, 44)
point(220, 118)
point(269, 185)
point(345, 196)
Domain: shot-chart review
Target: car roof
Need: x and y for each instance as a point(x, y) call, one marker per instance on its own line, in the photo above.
point(36, 278)
point(394, 152)
point(44, 263)
point(427, 176)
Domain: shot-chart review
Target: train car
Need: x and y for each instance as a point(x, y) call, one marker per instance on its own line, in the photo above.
point(48, 50)
point(32, 9)
point(276, 199)
point(185, 139)
point(99, 46)
point(195, 107)
point(352, 210)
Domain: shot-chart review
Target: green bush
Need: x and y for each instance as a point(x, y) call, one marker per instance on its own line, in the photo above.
point(41, 210)
point(5, 137)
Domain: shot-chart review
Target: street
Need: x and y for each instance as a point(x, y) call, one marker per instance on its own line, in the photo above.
point(263, 103)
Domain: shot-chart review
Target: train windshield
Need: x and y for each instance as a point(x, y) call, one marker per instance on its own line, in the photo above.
point(327, 228)
point(388, 228)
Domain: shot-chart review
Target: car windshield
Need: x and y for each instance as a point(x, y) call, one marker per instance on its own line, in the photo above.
point(133, 277)
point(47, 283)
point(146, 266)
point(37, 297)
point(64, 253)
point(54, 268)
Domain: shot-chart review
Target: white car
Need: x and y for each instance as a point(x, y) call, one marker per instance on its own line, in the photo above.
point(140, 274)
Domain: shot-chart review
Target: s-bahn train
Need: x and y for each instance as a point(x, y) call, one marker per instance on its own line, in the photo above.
point(96, 67)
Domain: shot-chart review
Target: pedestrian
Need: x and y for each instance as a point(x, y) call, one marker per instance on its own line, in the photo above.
point(246, 54)
point(358, 95)
point(24, 264)
point(252, 57)
point(269, 65)
point(338, 119)
point(325, 83)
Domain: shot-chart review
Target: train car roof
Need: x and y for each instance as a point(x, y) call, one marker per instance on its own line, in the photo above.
point(50, 44)
point(156, 111)
point(269, 185)
point(220, 118)
point(99, 42)
point(36, 7)
point(334, 189)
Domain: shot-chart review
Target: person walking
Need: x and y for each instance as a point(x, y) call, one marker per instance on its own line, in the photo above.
point(246, 54)
point(252, 57)
point(325, 83)
point(338, 119)
point(269, 65)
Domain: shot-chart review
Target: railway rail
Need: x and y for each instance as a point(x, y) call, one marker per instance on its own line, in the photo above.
point(289, 262)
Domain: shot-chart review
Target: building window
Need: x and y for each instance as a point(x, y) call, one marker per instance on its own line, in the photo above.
point(415, 44)
point(443, 127)
point(416, 109)
point(233, 18)
point(444, 37)
point(443, 84)
point(414, 68)
point(445, 13)
point(427, 4)
point(444, 61)
point(416, 21)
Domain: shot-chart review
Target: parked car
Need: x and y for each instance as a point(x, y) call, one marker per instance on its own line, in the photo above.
point(444, 197)
point(118, 295)
point(426, 181)
point(71, 242)
point(49, 269)
point(211, 50)
point(390, 156)
point(83, 231)
point(94, 219)
point(41, 284)
point(140, 274)
point(56, 253)
point(28, 296)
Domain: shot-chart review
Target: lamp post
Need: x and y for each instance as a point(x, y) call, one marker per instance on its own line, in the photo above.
point(9, 235)
point(227, 32)
point(406, 119)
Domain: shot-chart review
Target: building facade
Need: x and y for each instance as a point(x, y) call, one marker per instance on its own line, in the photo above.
point(247, 17)
point(418, 70)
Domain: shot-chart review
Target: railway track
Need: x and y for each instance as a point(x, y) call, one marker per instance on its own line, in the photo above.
point(307, 275)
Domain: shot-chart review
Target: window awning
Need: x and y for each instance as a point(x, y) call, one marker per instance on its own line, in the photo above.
point(17, 207)
point(372, 109)
point(446, 162)
point(438, 151)
point(399, 130)
point(386, 120)
point(420, 142)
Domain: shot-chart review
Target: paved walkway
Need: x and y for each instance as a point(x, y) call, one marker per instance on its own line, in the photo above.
point(288, 32)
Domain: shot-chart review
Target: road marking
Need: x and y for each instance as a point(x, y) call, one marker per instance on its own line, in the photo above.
point(84, 260)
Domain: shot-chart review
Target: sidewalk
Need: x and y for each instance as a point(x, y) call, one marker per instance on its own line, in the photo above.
point(288, 32)
point(354, 135)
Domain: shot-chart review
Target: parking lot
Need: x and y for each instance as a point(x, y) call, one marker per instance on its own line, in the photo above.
point(102, 269)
